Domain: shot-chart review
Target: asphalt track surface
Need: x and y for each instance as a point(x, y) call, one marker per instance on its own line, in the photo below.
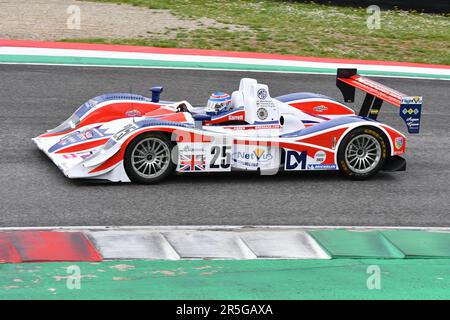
point(35, 193)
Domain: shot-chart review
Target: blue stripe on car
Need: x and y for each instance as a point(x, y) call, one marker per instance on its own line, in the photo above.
point(220, 115)
point(84, 108)
point(301, 96)
point(77, 136)
point(325, 125)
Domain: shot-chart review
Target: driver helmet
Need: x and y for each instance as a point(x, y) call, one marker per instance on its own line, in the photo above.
point(218, 102)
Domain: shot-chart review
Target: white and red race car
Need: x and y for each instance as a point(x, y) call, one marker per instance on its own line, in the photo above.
point(128, 137)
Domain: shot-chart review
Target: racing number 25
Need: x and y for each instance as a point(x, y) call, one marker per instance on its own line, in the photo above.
point(224, 153)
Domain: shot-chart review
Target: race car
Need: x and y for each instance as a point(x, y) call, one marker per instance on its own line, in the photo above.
point(123, 137)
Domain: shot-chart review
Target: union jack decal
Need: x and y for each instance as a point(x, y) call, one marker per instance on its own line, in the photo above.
point(191, 162)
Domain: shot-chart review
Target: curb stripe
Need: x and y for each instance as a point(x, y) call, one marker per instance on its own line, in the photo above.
point(349, 244)
point(17, 52)
point(8, 252)
point(422, 245)
point(204, 52)
point(133, 245)
point(141, 63)
point(284, 245)
point(46, 246)
point(171, 243)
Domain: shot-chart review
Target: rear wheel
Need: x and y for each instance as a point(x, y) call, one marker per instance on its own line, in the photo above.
point(362, 153)
point(147, 158)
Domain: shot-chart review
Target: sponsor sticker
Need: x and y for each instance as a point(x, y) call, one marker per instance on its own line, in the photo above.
point(299, 160)
point(88, 134)
point(190, 148)
point(133, 113)
point(127, 129)
point(322, 166)
point(412, 100)
point(398, 143)
point(379, 87)
point(320, 156)
point(239, 117)
point(262, 94)
point(70, 156)
point(255, 158)
point(410, 112)
point(320, 108)
point(262, 113)
point(295, 160)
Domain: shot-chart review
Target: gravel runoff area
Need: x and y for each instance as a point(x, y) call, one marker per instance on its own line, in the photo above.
point(49, 20)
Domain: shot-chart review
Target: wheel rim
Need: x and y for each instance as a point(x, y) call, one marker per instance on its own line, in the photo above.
point(363, 153)
point(150, 157)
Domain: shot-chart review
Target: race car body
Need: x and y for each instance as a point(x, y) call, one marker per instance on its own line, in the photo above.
point(128, 137)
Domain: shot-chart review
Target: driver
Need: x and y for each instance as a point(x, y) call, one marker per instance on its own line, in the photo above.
point(218, 102)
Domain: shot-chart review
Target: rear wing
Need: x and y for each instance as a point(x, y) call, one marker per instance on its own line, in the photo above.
point(347, 80)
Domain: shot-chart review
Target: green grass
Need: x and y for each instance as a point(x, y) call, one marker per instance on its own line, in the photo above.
point(306, 29)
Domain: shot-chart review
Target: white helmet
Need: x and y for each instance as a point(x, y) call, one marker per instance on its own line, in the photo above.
point(218, 102)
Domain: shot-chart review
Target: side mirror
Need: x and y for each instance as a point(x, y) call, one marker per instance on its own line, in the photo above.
point(201, 117)
point(156, 92)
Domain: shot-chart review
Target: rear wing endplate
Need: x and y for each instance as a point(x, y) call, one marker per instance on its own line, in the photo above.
point(347, 80)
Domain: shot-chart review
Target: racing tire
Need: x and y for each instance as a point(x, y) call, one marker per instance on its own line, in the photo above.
point(147, 158)
point(362, 153)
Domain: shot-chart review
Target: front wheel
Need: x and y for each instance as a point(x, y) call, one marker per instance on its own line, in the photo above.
point(362, 153)
point(147, 158)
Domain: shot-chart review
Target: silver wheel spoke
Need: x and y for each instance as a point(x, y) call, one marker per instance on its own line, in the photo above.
point(359, 163)
point(363, 153)
point(366, 144)
point(366, 162)
point(150, 157)
point(139, 161)
point(141, 166)
point(353, 160)
point(158, 148)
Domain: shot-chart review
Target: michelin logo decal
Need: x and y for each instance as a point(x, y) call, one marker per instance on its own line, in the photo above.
point(321, 166)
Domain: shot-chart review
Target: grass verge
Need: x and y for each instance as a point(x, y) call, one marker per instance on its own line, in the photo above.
point(297, 28)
